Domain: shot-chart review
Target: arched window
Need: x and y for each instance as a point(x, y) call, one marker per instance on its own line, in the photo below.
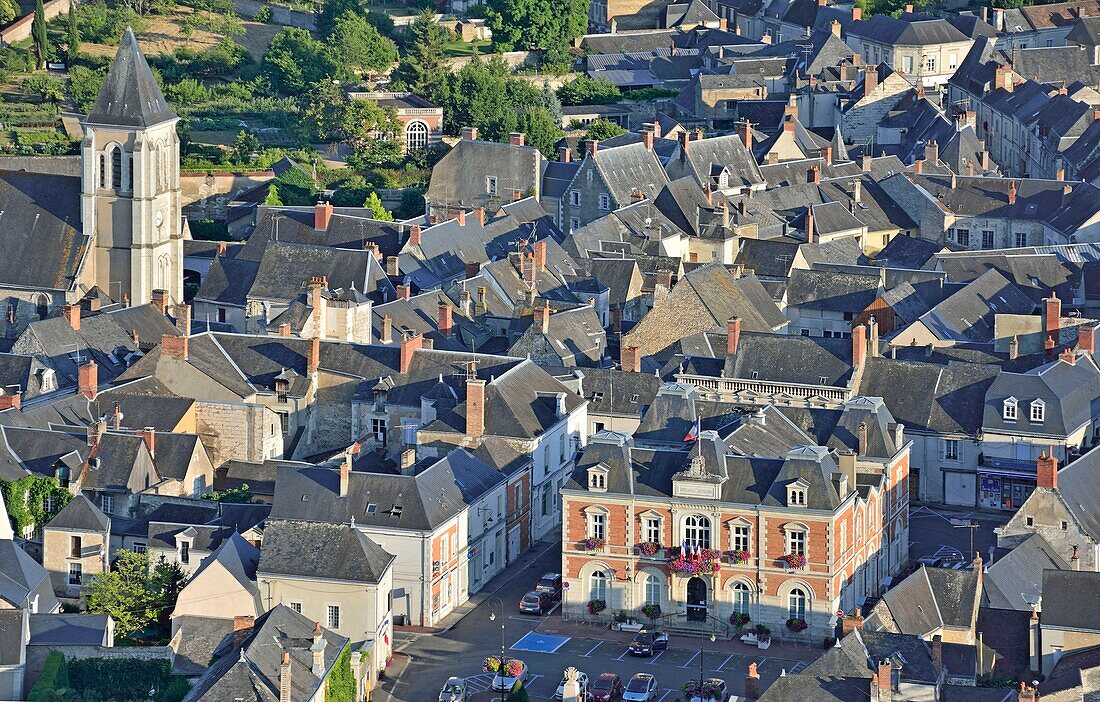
point(598, 586)
point(102, 171)
point(116, 168)
point(130, 172)
point(416, 135)
point(796, 604)
point(42, 306)
point(652, 590)
point(741, 596)
point(697, 531)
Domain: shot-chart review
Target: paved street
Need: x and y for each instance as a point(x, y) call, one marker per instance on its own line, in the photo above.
point(557, 645)
point(937, 531)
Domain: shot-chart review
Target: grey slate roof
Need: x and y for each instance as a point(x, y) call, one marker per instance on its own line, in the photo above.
point(1018, 575)
point(40, 229)
point(969, 314)
point(11, 636)
point(1063, 604)
point(67, 629)
point(24, 579)
point(941, 399)
point(80, 515)
point(458, 180)
point(317, 550)
point(898, 32)
point(829, 290)
point(1068, 392)
point(130, 96)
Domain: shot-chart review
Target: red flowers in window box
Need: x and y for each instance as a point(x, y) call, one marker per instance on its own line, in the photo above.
point(737, 557)
point(696, 561)
point(648, 548)
point(796, 625)
point(795, 560)
point(592, 544)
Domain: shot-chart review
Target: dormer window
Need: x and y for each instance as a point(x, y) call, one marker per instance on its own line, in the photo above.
point(597, 479)
point(1009, 410)
point(1038, 411)
point(796, 494)
point(491, 185)
point(723, 180)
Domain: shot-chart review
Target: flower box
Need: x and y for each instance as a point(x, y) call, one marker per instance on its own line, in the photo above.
point(796, 625)
point(648, 548)
point(596, 606)
point(739, 557)
point(592, 544)
point(512, 668)
point(704, 561)
point(707, 691)
point(795, 561)
point(739, 620)
point(653, 611)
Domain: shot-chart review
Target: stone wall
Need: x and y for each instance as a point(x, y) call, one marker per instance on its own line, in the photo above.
point(20, 29)
point(207, 195)
point(279, 15)
point(232, 431)
point(860, 122)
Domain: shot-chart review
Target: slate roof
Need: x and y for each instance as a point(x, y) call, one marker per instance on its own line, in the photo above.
point(829, 290)
point(1063, 605)
point(897, 32)
point(969, 314)
point(67, 629)
point(1079, 487)
point(285, 269)
point(11, 636)
point(941, 399)
point(24, 578)
point(781, 358)
point(40, 229)
point(1018, 574)
point(130, 96)
point(80, 515)
point(458, 180)
point(329, 551)
point(624, 168)
point(1068, 392)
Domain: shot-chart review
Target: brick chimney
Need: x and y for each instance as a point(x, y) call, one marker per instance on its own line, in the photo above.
point(937, 652)
point(1046, 470)
point(870, 79)
point(285, 689)
point(387, 329)
point(918, 166)
point(461, 217)
point(1012, 192)
point(475, 407)
point(865, 163)
point(685, 140)
point(857, 13)
point(469, 133)
point(345, 472)
point(848, 624)
point(403, 292)
point(414, 236)
point(591, 147)
point(71, 313)
point(859, 345)
point(479, 212)
point(814, 174)
point(1086, 338)
point(752, 683)
point(284, 329)
point(745, 129)
point(932, 152)
point(472, 269)
point(647, 139)
point(542, 316)
point(539, 250)
point(96, 430)
point(630, 357)
point(160, 300)
point(12, 401)
point(517, 139)
point(149, 436)
point(445, 319)
point(1052, 317)
point(183, 318)
point(1028, 693)
point(884, 679)
point(313, 359)
point(616, 319)
point(1003, 78)
point(174, 347)
point(564, 154)
point(393, 266)
point(811, 235)
point(322, 215)
point(733, 335)
point(409, 344)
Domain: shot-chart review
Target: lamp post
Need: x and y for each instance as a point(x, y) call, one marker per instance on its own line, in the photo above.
point(493, 618)
point(701, 639)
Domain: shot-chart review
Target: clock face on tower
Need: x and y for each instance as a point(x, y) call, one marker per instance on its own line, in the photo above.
point(158, 218)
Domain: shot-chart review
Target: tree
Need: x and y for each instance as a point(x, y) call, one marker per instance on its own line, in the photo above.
point(38, 33)
point(272, 200)
point(358, 44)
point(423, 70)
point(72, 34)
point(378, 210)
point(485, 95)
point(583, 90)
point(9, 10)
point(541, 129)
point(550, 101)
point(84, 86)
point(245, 147)
point(240, 495)
point(536, 24)
point(295, 60)
point(370, 130)
point(333, 10)
point(602, 129)
point(45, 87)
point(134, 596)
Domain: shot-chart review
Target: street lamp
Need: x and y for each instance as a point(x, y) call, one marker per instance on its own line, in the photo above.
point(701, 639)
point(493, 618)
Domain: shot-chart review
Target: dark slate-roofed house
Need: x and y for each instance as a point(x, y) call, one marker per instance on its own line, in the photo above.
point(484, 174)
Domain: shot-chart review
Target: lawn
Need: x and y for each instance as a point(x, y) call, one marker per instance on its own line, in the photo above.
point(162, 35)
point(462, 48)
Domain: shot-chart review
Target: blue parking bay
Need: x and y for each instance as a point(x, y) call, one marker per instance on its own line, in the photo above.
point(540, 643)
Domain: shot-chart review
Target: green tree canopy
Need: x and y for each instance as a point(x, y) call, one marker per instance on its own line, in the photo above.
point(423, 69)
point(602, 129)
point(272, 200)
point(583, 90)
point(134, 596)
point(38, 34)
point(519, 25)
point(357, 44)
point(485, 95)
point(72, 33)
point(333, 10)
point(245, 146)
point(295, 60)
point(378, 210)
point(541, 129)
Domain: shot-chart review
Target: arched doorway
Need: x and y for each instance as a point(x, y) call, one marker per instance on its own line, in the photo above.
point(697, 600)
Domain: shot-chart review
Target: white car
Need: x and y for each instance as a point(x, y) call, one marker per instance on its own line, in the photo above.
point(454, 691)
point(641, 688)
point(582, 678)
point(503, 683)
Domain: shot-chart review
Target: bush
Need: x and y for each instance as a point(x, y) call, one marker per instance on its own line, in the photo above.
point(341, 682)
point(412, 204)
point(123, 679)
point(264, 15)
point(54, 677)
point(209, 230)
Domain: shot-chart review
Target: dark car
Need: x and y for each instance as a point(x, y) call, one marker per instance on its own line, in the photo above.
point(535, 603)
point(648, 642)
point(607, 688)
point(550, 584)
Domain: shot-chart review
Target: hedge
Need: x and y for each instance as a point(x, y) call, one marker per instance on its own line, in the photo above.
point(54, 677)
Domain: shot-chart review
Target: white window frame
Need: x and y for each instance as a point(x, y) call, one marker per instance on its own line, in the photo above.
point(651, 529)
point(605, 201)
point(1010, 409)
point(331, 621)
point(597, 479)
point(697, 531)
point(1038, 411)
point(597, 585)
point(653, 590)
point(741, 597)
point(490, 185)
point(574, 198)
point(76, 568)
point(296, 606)
point(798, 603)
point(596, 526)
point(951, 449)
point(797, 539)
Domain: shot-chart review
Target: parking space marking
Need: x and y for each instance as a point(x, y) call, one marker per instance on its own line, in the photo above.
point(723, 665)
point(653, 659)
point(621, 655)
point(760, 665)
point(801, 665)
point(479, 683)
point(540, 643)
point(591, 650)
point(667, 693)
point(688, 664)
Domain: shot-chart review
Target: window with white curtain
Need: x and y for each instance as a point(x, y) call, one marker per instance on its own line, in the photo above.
point(741, 597)
point(597, 586)
point(796, 604)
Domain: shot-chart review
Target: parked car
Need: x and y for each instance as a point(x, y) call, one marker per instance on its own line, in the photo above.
point(722, 693)
point(550, 583)
point(582, 678)
point(641, 688)
point(607, 688)
point(454, 691)
point(503, 682)
point(535, 603)
point(647, 642)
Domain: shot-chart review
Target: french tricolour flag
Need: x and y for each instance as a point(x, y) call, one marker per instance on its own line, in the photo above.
point(693, 433)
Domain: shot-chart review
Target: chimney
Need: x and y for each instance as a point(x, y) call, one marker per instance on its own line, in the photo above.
point(345, 472)
point(72, 314)
point(908, 9)
point(752, 683)
point(870, 79)
point(1086, 338)
point(387, 329)
point(393, 266)
point(539, 249)
point(174, 347)
point(284, 679)
point(409, 344)
point(414, 236)
point(475, 407)
point(872, 336)
point(1075, 559)
point(284, 329)
point(616, 319)
point(469, 133)
point(1003, 78)
point(220, 248)
point(827, 154)
point(918, 166)
point(516, 139)
point(859, 345)
point(403, 292)
point(814, 174)
point(183, 318)
point(848, 624)
point(630, 358)
point(733, 335)
point(685, 139)
point(865, 163)
point(811, 237)
point(846, 461)
point(407, 460)
point(542, 314)
point(834, 26)
point(318, 650)
point(444, 320)
point(322, 215)
point(857, 13)
point(932, 152)
point(313, 359)
point(461, 217)
point(149, 436)
point(647, 139)
point(591, 147)
point(1014, 348)
point(243, 623)
point(857, 191)
point(472, 269)
point(746, 134)
point(160, 300)
point(479, 212)
point(1060, 174)
point(95, 431)
point(664, 279)
point(1068, 356)
point(1028, 693)
point(1012, 192)
point(885, 681)
point(954, 180)
point(1052, 317)
point(12, 401)
point(636, 195)
point(724, 209)
point(564, 154)
point(1046, 470)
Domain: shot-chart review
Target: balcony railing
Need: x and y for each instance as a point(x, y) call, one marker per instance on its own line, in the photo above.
point(737, 386)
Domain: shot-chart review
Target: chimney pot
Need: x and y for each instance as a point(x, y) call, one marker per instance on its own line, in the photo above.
point(1046, 470)
point(160, 300)
point(461, 217)
point(88, 380)
point(72, 314)
point(631, 359)
point(543, 314)
point(183, 318)
point(313, 360)
point(469, 133)
point(387, 329)
point(149, 436)
point(859, 345)
point(322, 215)
point(733, 335)
point(591, 147)
point(475, 407)
point(409, 344)
point(445, 319)
point(414, 236)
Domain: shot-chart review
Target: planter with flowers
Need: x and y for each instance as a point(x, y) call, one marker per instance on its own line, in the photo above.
point(596, 606)
point(739, 619)
point(701, 562)
point(795, 561)
point(708, 691)
point(593, 544)
point(739, 557)
point(796, 624)
point(648, 548)
point(653, 611)
point(513, 667)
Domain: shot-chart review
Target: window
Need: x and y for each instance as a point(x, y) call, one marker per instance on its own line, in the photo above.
point(951, 449)
point(76, 573)
point(222, 314)
point(74, 547)
point(597, 525)
point(284, 422)
point(444, 550)
point(416, 135)
point(796, 541)
point(740, 537)
point(102, 171)
point(491, 185)
point(908, 64)
point(796, 604)
point(796, 496)
point(107, 503)
point(652, 590)
point(741, 595)
point(1009, 409)
point(1021, 239)
point(987, 239)
point(378, 429)
point(1050, 42)
point(140, 547)
point(952, 60)
point(930, 64)
point(333, 616)
point(185, 552)
point(1065, 525)
point(605, 202)
point(574, 223)
point(697, 531)
point(575, 198)
point(1038, 411)
point(1029, 521)
point(597, 480)
point(130, 172)
point(116, 168)
point(651, 530)
point(597, 589)
point(545, 500)
point(963, 237)
point(62, 475)
point(47, 504)
point(296, 606)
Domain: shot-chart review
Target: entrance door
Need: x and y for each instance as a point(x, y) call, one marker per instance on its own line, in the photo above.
point(696, 600)
point(513, 543)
